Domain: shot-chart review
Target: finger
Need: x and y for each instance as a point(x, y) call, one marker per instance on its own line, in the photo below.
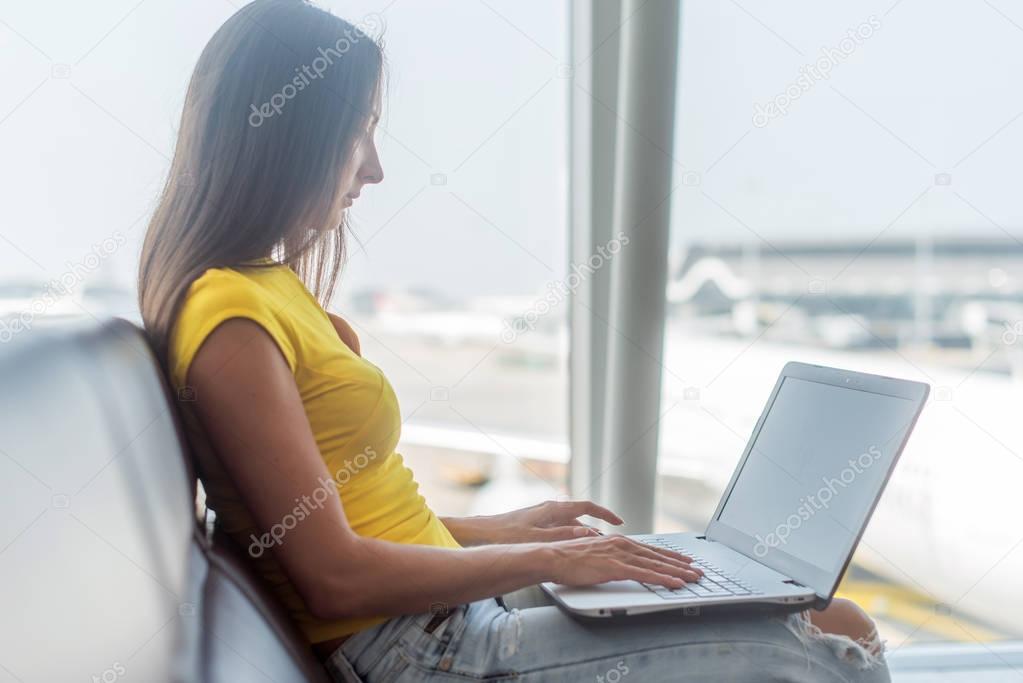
point(565, 533)
point(640, 553)
point(685, 573)
point(665, 552)
point(659, 554)
point(576, 508)
point(576, 522)
point(649, 576)
point(633, 552)
point(652, 548)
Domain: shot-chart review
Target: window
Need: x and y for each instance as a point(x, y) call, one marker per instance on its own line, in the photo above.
point(844, 198)
point(461, 244)
point(450, 259)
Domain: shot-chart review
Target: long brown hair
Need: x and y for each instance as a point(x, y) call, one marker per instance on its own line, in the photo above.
point(276, 103)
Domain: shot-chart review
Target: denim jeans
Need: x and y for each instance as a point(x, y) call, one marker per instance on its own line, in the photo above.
point(488, 640)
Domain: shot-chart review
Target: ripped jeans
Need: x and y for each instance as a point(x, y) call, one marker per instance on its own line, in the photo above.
point(489, 640)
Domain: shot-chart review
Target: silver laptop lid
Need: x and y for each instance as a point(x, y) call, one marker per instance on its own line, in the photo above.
point(814, 469)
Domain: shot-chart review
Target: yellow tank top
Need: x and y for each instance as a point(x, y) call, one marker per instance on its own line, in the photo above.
point(351, 407)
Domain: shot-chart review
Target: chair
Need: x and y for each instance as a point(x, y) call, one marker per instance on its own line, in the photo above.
point(104, 567)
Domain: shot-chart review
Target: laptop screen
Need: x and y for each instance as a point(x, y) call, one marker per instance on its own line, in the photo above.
point(815, 470)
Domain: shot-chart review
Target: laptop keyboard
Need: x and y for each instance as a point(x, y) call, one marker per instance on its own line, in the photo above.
point(713, 584)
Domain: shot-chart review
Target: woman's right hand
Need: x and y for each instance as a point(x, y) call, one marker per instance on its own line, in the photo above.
point(592, 560)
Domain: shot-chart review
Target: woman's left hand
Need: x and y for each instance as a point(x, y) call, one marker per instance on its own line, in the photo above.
point(545, 522)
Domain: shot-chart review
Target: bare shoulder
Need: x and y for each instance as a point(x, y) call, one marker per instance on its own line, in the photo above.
point(234, 344)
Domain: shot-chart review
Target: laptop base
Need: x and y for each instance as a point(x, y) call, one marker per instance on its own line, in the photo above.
point(614, 598)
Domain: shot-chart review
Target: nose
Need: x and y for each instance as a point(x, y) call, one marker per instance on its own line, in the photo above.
point(372, 172)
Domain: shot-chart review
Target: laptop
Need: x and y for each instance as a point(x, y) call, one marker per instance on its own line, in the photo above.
point(796, 506)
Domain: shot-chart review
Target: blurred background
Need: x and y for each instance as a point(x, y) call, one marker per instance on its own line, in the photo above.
point(845, 194)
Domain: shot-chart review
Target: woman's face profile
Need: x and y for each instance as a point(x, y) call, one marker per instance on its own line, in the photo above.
point(363, 167)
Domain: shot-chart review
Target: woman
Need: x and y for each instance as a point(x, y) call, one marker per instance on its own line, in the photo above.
point(295, 433)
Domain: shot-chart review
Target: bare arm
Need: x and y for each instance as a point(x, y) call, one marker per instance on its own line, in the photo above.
point(249, 405)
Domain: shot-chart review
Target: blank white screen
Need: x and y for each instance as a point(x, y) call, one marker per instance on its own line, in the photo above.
point(815, 469)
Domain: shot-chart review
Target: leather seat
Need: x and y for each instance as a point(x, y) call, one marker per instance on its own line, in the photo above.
point(105, 571)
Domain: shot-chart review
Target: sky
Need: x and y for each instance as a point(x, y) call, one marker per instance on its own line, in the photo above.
point(914, 131)
point(861, 151)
